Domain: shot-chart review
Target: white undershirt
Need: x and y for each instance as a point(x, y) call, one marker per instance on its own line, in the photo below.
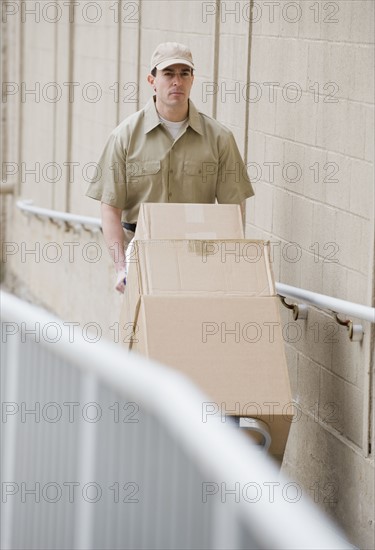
point(174, 128)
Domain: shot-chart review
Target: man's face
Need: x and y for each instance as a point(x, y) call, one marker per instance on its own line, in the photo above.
point(172, 85)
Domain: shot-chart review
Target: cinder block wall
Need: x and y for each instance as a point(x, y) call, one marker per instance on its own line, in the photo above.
point(310, 144)
point(295, 83)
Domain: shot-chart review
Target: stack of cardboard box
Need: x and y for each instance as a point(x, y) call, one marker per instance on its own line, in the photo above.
point(201, 299)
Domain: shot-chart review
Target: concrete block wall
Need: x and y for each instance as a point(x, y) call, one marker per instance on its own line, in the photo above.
point(315, 132)
point(294, 81)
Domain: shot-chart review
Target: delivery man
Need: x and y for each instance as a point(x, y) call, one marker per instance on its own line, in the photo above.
point(166, 152)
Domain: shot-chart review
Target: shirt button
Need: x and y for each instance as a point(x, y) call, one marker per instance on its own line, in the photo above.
point(169, 195)
point(171, 171)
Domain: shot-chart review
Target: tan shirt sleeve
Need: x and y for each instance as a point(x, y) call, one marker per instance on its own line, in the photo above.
point(109, 184)
point(233, 183)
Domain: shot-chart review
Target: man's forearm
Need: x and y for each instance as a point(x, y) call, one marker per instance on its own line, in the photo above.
point(113, 234)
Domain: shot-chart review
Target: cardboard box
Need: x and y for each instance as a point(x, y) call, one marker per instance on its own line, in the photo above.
point(201, 266)
point(232, 347)
point(169, 267)
point(159, 221)
point(201, 299)
point(189, 221)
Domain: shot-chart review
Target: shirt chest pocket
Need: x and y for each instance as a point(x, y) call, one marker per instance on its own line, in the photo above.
point(200, 178)
point(139, 169)
point(143, 181)
point(193, 168)
point(203, 171)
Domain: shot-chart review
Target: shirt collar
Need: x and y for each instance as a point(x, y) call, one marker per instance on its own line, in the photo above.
point(194, 118)
point(152, 118)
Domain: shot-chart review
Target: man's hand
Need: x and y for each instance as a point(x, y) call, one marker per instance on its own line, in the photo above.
point(121, 280)
point(114, 237)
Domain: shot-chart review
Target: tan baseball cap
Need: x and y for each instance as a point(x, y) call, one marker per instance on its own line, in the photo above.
point(171, 53)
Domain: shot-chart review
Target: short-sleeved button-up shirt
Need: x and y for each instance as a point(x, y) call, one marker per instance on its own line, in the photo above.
point(142, 163)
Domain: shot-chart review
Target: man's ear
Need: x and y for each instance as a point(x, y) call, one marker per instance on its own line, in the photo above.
point(151, 80)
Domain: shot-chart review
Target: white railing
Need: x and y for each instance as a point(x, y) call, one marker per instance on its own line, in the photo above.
point(75, 220)
point(103, 449)
point(320, 301)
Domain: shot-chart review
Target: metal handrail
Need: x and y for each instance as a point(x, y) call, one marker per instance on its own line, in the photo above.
point(320, 301)
point(28, 207)
point(177, 403)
